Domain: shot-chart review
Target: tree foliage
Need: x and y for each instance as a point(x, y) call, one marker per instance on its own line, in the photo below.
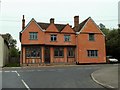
point(13, 51)
point(112, 41)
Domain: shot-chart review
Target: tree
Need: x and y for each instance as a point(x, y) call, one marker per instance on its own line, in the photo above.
point(112, 42)
point(103, 29)
point(11, 42)
point(13, 52)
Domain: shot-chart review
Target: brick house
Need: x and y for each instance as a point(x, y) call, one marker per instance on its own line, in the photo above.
point(50, 43)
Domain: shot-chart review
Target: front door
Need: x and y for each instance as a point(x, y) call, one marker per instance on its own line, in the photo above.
point(47, 55)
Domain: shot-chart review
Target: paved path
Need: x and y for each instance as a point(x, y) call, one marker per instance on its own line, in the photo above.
point(107, 77)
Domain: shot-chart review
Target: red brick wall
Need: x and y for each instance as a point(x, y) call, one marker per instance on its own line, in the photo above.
point(33, 27)
point(84, 44)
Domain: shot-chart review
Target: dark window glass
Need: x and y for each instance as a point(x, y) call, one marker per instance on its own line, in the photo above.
point(92, 53)
point(66, 37)
point(33, 35)
point(70, 52)
point(58, 52)
point(33, 52)
point(91, 37)
point(53, 37)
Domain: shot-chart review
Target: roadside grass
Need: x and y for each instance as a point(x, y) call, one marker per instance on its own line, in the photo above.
point(13, 65)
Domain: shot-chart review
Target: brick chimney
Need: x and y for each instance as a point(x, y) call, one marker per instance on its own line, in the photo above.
point(52, 20)
point(76, 21)
point(23, 23)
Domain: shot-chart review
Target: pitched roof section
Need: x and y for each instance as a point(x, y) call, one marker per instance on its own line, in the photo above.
point(81, 25)
point(60, 27)
point(43, 25)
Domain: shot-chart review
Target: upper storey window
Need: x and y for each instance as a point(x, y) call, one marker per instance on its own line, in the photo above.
point(91, 37)
point(53, 37)
point(66, 37)
point(33, 35)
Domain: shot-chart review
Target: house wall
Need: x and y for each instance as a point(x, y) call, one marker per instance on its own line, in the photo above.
point(1, 51)
point(4, 53)
point(33, 27)
point(60, 39)
point(84, 44)
point(67, 30)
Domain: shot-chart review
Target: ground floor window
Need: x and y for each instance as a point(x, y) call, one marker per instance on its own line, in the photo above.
point(58, 52)
point(33, 52)
point(92, 53)
point(70, 52)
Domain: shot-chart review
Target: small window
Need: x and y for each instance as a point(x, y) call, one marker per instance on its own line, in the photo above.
point(58, 52)
point(91, 37)
point(53, 37)
point(92, 53)
point(33, 35)
point(66, 37)
point(70, 52)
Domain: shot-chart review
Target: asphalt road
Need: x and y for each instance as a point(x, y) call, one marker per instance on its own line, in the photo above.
point(50, 77)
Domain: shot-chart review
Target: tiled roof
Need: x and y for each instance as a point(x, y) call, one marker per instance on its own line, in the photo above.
point(45, 26)
point(80, 26)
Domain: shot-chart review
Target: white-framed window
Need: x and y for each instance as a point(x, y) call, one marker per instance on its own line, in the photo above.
point(33, 35)
point(92, 53)
point(53, 37)
point(66, 37)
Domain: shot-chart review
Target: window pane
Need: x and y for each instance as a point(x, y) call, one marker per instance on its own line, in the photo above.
point(33, 52)
point(66, 37)
point(33, 35)
point(60, 52)
point(91, 37)
point(92, 53)
point(56, 52)
point(71, 52)
point(53, 37)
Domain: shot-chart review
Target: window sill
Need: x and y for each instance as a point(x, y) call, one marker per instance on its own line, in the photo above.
point(58, 56)
point(71, 57)
point(33, 57)
point(67, 41)
point(53, 41)
point(33, 39)
point(93, 57)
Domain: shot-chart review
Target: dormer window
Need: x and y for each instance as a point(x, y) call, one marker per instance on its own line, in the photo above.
point(33, 35)
point(91, 37)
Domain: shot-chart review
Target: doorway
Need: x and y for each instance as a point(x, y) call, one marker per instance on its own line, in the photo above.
point(47, 55)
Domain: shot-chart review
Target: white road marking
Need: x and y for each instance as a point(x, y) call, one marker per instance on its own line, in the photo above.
point(13, 71)
point(17, 73)
point(25, 84)
point(6, 71)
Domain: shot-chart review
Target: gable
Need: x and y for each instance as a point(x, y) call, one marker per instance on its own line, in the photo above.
point(52, 28)
point(31, 24)
point(68, 29)
point(91, 27)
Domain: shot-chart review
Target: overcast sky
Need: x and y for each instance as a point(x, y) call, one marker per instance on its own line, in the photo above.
point(101, 11)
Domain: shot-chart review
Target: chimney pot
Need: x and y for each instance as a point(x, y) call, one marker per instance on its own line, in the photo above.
point(52, 20)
